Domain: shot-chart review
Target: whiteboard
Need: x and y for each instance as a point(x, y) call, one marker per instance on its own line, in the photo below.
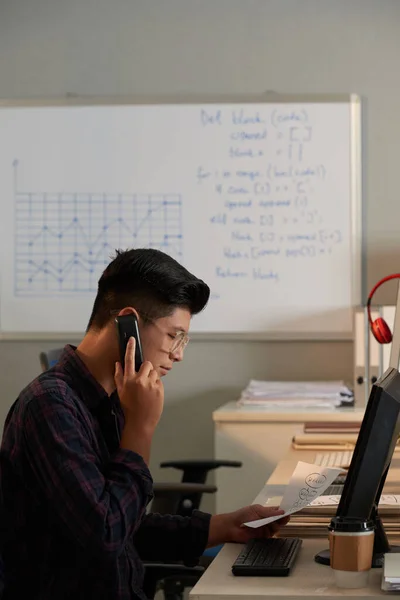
point(259, 199)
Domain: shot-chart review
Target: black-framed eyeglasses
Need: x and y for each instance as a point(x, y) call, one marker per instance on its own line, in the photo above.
point(179, 341)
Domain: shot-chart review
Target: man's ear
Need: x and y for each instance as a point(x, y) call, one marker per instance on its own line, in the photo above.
point(128, 310)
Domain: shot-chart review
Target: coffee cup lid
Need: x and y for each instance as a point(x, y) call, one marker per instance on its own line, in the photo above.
point(350, 524)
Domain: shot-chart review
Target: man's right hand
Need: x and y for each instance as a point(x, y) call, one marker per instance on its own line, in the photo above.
point(142, 399)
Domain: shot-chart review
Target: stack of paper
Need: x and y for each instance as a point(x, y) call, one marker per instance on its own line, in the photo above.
point(295, 394)
point(313, 520)
point(311, 508)
point(391, 572)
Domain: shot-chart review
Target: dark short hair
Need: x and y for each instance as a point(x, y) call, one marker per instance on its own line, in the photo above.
point(149, 280)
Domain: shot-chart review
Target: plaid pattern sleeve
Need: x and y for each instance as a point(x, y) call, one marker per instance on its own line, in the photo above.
point(99, 506)
point(178, 538)
point(74, 522)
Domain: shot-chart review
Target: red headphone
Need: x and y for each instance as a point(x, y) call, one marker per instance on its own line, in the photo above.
point(380, 329)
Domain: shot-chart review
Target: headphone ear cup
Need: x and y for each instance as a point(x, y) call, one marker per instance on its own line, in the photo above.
point(381, 331)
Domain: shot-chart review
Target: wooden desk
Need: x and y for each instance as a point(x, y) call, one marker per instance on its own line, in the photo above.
point(308, 579)
point(260, 438)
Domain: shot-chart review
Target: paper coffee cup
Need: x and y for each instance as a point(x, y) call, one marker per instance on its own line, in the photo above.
point(351, 543)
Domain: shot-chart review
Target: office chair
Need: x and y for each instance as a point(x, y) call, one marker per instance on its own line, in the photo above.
point(170, 579)
point(195, 471)
point(168, 495)
point(173, 578)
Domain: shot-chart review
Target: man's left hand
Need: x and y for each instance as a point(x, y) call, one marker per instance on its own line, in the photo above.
point(229, 527)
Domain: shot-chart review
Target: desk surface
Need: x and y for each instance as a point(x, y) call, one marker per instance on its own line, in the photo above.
point(308, 578)
point(231, 412)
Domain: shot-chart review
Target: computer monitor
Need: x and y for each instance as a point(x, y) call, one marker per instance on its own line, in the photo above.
point(373, 451)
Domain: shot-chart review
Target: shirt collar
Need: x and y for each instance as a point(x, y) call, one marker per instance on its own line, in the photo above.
point(90, 391)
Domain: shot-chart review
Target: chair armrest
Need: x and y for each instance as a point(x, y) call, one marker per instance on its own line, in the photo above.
point(179, 487)
point(212, 463)
point(168, 569)
point(169, 496)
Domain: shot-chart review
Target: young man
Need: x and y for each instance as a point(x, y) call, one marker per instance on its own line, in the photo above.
point(76, 447)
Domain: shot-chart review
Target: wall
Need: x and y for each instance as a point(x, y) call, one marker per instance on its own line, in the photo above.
point(97, 47)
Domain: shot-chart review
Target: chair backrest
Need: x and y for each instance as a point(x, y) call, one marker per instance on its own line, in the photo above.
point(49, 358)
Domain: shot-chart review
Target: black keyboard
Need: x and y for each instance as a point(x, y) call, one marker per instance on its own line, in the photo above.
point(269, 557)
point(336, 488)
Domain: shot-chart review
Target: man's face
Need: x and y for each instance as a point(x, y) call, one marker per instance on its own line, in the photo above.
point(164, 340)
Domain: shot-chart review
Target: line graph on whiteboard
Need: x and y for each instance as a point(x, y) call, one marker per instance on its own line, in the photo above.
point(64, 240)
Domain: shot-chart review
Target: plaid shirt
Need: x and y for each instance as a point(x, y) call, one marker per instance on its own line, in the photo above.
point(74, 521)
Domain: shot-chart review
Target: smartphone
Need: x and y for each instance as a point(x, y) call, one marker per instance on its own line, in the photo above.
point(127, 326)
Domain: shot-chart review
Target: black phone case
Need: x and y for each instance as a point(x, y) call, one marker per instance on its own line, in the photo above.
point(127, 326)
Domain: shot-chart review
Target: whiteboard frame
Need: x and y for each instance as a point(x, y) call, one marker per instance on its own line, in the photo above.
point(356, 194)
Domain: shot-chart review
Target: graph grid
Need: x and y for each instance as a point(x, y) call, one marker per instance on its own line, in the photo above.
point(64, 241)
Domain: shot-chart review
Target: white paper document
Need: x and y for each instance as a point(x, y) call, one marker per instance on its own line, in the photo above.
point(299, 394)
point(391, 572)
point(307, 483)
point(296, 389)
